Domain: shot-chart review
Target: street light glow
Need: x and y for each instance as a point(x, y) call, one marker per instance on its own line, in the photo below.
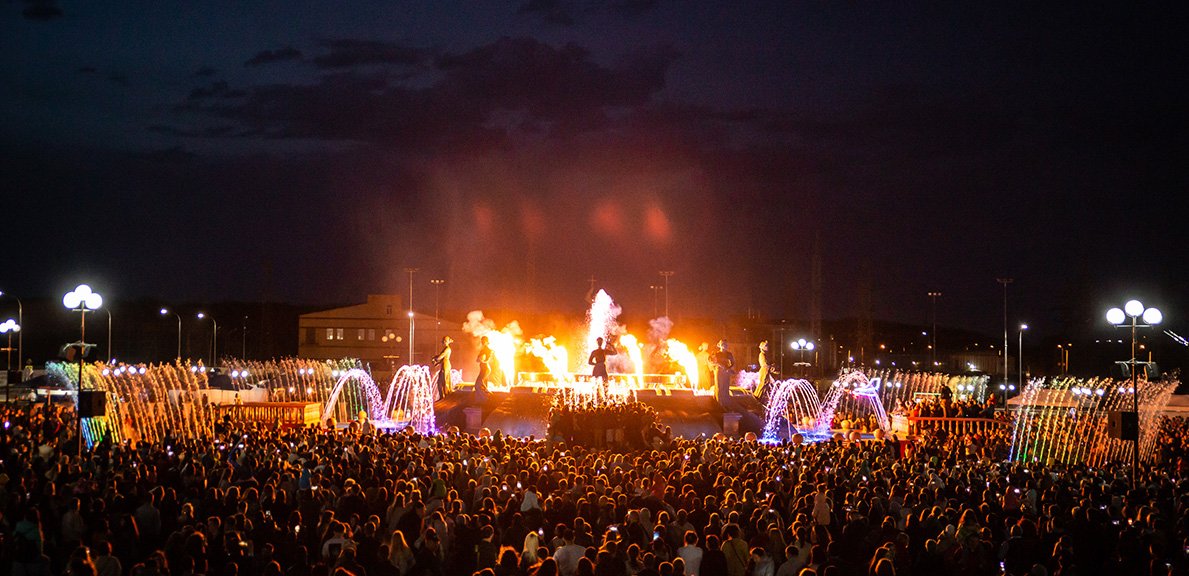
point(1153, 316)
point(1133, 308)
point(82, 297)
point(1115, 316)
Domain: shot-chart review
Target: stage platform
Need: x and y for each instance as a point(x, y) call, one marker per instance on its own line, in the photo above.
point(524, 411)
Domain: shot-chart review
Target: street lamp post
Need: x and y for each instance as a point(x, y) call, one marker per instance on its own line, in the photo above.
point(165, 311)
point(214, 337)
point(437, 317)
point(933, 335)
point(21, 321)
point(108, 310)
point(8, 327)
point(1134, 309)
point(1005, 282)
point(666, 274)
point(82, 300)
point(411, 321)
point(1020, 349)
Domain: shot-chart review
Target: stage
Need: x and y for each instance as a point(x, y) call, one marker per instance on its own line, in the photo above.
point(524, 410)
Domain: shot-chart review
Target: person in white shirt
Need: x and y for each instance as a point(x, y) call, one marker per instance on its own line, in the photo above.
point(567, 556)
point(794, 564)
point(530, 502)
point(691, 553)
point(761, 562)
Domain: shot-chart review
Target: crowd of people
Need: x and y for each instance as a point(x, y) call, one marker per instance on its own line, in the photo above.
point(628, 424)
point(266, 501)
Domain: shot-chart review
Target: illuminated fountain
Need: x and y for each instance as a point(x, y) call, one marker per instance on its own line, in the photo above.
point(410, 400)
point(794, 406)
point(146, 402)
point(901, 387)
point(1065, 419)
point(855, 396)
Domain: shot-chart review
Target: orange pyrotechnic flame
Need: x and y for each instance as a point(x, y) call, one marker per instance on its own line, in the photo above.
point(502, 342)
point(632, 346)
point(554, 355)
point(679, 352)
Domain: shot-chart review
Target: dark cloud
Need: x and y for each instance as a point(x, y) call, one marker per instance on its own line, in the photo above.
point(345, 53)
point(41, 10)
point(552, 11)
point(218, 89)
point(205, 72)
point(634, 7)
point(479, 97)
point(171, 155)
point(221, 131)
point(274, 56)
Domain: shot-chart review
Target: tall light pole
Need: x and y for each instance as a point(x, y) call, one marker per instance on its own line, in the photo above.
point(1005, 282)
point(411, 271)
point(243, 344)
point(656, 297)
point(21, 321)
point(82, 300)
point(108, 310)
point(165, 311)
point(410, 338)
point(1023, 327)
point(933, 335)
point(666, 274)
point(1134, 309)
point(8, 327)
point(437, 318)
point(214, 338)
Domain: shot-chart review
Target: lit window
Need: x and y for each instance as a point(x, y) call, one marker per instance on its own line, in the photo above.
point(338, 333)
point(330, 333)
point(359, 334)
point(388, 310)
point(371, 333)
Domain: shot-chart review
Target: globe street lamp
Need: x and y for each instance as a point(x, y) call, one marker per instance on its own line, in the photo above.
point(801, 345)
point(1135, 310)
point(167, 311)
point(214, 337)
point(8, 327)
point(21, 321)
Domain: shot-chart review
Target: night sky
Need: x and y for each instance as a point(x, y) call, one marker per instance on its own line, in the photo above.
point(308, 152)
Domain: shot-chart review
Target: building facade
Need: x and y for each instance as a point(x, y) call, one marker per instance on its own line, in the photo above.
point(376, 332)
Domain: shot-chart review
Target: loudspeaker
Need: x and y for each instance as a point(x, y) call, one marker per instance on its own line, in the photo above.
point(92, 403)
point(1122, 425)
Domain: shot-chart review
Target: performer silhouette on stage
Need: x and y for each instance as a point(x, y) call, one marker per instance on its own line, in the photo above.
point(598, 359)
point(445, 386)
point(765, 371)
point(484, 361)
point(722, 362)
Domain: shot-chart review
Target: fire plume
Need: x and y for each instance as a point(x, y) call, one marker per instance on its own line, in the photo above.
point(679, 352)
